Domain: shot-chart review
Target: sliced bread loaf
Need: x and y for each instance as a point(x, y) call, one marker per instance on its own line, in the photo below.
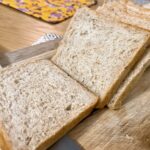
point(119, 12)
point(130, 81)
point(99, 52)
point(39, 103)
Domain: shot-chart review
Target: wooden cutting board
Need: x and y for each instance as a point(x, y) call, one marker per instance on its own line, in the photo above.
point(127, 128)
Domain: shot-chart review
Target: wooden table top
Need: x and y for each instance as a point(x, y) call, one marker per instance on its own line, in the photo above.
point(19, 30)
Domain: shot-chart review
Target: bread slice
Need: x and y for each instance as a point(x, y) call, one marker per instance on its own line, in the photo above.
point(135, 75)
point(130, 81)
point(39, 104)
point(99, 52)
point(119, 12)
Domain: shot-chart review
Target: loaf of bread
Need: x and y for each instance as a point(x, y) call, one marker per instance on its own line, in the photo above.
point(39, 104)
point(99, 52)
point(130, 81)
point(120, 12)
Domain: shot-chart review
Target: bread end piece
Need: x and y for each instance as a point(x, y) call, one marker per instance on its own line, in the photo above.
point(40, 86)
point(66, 128)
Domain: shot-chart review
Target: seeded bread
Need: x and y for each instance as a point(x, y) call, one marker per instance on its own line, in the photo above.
point(130, 81)
point(119, 12)
point(99, 52)
point(39, 104)
point(135, 75)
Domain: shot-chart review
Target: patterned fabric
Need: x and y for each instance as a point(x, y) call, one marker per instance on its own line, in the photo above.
point(49, 10)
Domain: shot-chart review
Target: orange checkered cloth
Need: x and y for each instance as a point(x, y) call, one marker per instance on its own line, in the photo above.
point(52, 11)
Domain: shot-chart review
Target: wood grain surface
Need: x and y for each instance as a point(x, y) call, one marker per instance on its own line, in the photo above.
point(18, 30)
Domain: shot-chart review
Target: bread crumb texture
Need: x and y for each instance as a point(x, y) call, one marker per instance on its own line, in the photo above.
point(97, 50)
point(37, 100)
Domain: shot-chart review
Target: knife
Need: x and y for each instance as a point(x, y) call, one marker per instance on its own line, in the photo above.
point(66, 143)
point(43, 50)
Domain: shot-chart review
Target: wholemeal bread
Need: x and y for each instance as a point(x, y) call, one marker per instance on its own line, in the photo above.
point(99, 52)
point(130, 81)
point(39, 103)
point(119, 12)
point(134, 76)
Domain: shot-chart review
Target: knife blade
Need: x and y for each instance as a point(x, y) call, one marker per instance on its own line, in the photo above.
point(66, 143)
point(44, 50)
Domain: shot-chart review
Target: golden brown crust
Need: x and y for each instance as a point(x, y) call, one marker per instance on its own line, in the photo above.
point(65, 129)
point(123, 75)
point(117, 104)
point(4, 139)
point(5, 143)
point(130, 82)
point(118, 81)
point(114, 88)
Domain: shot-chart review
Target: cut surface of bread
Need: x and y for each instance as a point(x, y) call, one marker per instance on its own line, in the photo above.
point(130, 82)
point(119, 12)
point(39, 103)
point(99, 52)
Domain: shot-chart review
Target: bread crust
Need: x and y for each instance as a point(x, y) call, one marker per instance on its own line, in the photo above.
point(115, 102)
point(5, 141)
point(130, 82)
point(60, 133)
point(124, 74)
point(112, 89)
